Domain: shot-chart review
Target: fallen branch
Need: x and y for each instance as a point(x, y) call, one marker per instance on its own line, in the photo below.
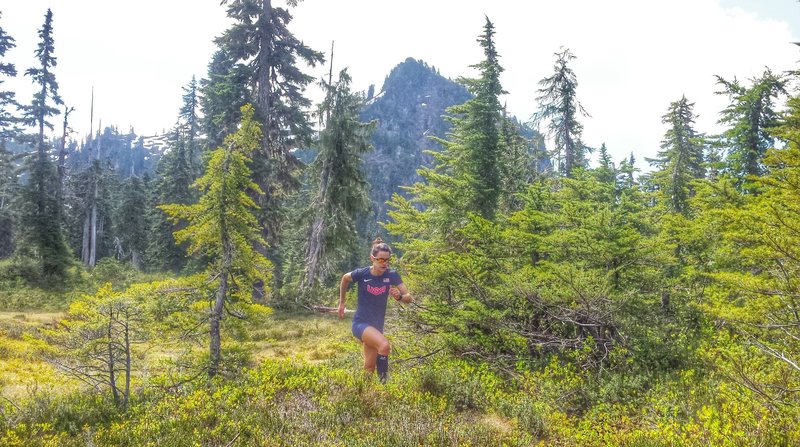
point(233, 440)
point(327, 309)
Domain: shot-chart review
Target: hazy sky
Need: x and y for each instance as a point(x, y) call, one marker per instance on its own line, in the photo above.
point(634, 57)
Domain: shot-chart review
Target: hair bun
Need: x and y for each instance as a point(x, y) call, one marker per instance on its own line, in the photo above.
point(377, 241)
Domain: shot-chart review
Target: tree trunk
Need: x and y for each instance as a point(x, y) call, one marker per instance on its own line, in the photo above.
point(135, 259)
point(315, 252)
point(126, 395)
point(219, 303)
point(93, 235)
point(62, 155)
point(316, 240)
point(216, 317)
point(215, 355)
point(111, 365)
point(85, 242)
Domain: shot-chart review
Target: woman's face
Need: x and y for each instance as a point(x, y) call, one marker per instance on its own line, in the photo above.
point(381, 261)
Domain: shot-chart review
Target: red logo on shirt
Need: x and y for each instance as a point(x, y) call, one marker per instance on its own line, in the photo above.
point(376, 290)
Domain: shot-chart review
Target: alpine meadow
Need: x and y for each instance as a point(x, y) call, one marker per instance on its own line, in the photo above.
point(180, 289)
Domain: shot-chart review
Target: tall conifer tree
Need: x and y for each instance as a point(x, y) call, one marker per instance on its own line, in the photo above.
point(260, 38)
point(42, 230)
point(467, 176)
point(130, 222)
point(172, 186)
point(558, 104)
point(7, 98)
point(223, 227)
point(479, 128)
point(8, 121)
point(189, 123)
point(749, 117)
point(681, 157)
point(341, 186)
point(224, 93)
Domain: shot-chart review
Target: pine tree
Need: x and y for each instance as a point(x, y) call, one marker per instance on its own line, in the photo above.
point(681, 157)
point(223, 95)
point(9, 187)
point(37, 114)
point(7, 98)
point(340, 194)
point(558, 104)
point(223, 226)
point(517, 164)
point(41, 230)
point(749, 117)
point(260, 38)
point(189, 123)
point(626, 170)
point(130, 222)
point(606, 171)
point(89, 209)
point(466, 176)
point(758, 283)
point(480, 126)
point(174, 178)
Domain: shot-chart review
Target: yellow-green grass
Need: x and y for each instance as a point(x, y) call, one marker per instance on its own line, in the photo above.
point(22, 371)
point(313, 337)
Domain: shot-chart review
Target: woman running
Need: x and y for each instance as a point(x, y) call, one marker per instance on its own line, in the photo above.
point(375, 284)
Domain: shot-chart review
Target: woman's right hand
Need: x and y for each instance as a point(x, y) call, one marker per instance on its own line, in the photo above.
point(341, 311)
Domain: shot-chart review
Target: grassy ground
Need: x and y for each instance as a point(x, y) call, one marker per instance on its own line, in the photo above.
point(22, 372)
point(312, 337)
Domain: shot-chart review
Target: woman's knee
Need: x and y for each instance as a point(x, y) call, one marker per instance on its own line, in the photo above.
point(384, 348)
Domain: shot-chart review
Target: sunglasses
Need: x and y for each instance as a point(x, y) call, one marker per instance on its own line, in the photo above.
point(382, 260)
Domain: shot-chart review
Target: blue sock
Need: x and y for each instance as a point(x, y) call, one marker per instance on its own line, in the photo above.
point(382, 364)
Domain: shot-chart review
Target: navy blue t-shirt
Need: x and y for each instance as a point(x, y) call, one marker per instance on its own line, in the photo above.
point(373, 294)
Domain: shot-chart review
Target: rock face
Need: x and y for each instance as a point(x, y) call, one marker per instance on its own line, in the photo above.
point(409, 110)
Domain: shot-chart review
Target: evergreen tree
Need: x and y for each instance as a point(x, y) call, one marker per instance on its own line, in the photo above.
point(9, 186)
point(130, 222)
point(626, 170)
point(260, 38)
point(478, 128)
point(517, 164)
point(174, 178)
point(223, 95)
point(89, 209)
point(606, 171)
point(749, 117)
point(7, 98)
point(43, 233)
point(40, 110)
point(91, 192)
point(756, 290)
point(340, 184)
point(223, 226)
point(466, 175)
point(558, 104)
point(189, 123)
point(681, 157)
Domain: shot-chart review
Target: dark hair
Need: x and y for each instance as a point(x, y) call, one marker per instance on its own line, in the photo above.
point(378, 246)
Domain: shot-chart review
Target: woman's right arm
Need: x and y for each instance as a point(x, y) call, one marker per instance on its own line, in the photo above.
point(343, 285)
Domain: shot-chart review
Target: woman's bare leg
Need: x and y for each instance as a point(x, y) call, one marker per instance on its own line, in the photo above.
point(370, 354)
point(375, 344)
